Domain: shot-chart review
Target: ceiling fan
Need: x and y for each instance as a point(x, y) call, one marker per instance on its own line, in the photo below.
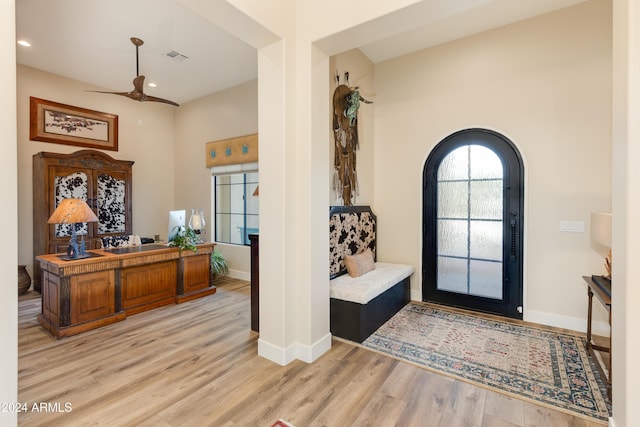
point(137, 94)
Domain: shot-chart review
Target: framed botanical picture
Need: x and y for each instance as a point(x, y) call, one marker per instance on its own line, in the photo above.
point(65, 124)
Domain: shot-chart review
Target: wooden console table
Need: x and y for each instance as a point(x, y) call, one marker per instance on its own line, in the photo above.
point(84, 294)
point(602, 291)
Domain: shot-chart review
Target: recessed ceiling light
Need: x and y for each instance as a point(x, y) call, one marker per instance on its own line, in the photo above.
point(24, 43)
point(152, 85)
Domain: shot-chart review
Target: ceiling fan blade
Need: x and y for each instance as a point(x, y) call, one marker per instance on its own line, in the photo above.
point(136, 96)
point(131, 95)
point(105, 91)
point(156, 99)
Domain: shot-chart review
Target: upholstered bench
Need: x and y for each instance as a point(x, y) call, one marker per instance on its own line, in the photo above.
point(360, 305)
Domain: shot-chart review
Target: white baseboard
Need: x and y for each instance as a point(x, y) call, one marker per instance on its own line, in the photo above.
point(284, 356)
point(566, 322)
point(309, 353)
point(272, 352)
point(242, 275)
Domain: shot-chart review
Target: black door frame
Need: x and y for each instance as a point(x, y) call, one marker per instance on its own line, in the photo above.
point(513, 214)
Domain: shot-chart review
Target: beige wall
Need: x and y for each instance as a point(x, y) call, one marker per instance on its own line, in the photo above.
point(145, 136)
point(226, 114)
point(545, 83)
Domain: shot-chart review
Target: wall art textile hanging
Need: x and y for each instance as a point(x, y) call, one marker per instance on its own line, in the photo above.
point(346, 102)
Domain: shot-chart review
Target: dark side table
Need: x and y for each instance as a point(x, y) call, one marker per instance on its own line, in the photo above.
point(602, 290)
point(255, 282)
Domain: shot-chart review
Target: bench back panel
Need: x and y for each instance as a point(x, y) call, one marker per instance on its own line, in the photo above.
point(352, 229)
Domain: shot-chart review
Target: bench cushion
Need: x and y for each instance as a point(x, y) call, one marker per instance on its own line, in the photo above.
point(364, 288)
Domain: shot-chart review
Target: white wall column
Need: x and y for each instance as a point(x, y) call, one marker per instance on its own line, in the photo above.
point(294, 294)
point(9, 215)
point(626, 211)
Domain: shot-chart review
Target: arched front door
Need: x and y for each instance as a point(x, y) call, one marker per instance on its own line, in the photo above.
point(472, 223)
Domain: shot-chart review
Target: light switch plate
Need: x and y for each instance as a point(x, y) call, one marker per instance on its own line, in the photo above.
point(572, 226)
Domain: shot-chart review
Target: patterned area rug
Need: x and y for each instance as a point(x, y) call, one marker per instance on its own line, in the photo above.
point(549, 368)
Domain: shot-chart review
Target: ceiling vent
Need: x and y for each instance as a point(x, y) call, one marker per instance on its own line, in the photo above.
point(176, 56)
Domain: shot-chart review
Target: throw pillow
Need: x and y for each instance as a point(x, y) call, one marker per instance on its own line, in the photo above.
point(359, 264)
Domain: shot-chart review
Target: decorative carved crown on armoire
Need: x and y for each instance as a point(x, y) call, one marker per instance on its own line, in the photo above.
point(102, 181)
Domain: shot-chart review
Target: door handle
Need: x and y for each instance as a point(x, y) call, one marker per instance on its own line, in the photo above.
point(513, 251)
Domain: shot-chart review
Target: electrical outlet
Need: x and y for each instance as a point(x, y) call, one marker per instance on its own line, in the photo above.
point(572, 226)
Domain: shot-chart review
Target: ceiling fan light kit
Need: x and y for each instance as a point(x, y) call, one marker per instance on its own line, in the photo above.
point(137, 94)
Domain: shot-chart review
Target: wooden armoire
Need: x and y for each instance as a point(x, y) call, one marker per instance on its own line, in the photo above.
point(102, 181)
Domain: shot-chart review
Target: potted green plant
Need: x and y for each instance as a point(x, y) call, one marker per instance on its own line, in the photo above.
point(185, 239)
point(219, 266)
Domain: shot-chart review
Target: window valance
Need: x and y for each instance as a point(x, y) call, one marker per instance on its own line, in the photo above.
point(226, 155)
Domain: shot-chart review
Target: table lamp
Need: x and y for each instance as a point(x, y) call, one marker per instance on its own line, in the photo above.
point(73, 211)
point(601, 235)
point(197, 223)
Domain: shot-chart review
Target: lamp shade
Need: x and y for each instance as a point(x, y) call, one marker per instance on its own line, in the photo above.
point(601, 228)
point(71, 211)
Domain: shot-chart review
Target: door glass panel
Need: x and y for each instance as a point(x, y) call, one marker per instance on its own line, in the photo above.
point(453, 199)
point(452, 274)
point(453, 236)
point(469, 222)
point(485, 279)
point(485, 240)
point(485, 163)
point(485, 199)
point(455, 166)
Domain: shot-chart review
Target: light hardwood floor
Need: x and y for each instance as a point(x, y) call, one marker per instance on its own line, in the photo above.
point(196, 364)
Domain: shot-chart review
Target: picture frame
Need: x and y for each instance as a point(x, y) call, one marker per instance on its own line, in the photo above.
point(66, 124)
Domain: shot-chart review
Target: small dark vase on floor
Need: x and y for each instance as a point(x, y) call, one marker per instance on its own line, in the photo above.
point(24, 280)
